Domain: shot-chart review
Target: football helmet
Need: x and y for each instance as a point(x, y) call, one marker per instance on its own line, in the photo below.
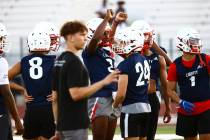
point(92, 25)
point(3, 39)
point(39, 42)
point(127, 41)
point(143, 27)
point(188, 40)
point(52, 30)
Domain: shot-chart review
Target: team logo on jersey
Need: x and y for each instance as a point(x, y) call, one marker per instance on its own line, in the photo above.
point(59, 63)
point(191, 73)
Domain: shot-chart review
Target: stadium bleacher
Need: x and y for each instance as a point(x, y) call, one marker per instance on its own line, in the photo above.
point(167, 16)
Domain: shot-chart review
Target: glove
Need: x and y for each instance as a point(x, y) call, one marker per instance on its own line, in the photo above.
point(115, 112)
point(187, 106)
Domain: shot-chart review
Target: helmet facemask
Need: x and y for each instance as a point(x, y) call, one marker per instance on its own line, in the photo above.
point(148, 40)
point(4, 45)
point(127, 42)
point(54, 42)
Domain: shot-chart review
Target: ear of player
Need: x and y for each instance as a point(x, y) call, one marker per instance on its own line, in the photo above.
point(44, 38)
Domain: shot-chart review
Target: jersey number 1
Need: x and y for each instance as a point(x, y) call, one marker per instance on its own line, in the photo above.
point(192, 79)
point(35, 71)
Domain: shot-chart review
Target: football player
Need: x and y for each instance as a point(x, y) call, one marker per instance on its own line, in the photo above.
point(36, 70)
point(191, 71)
point(157, 72)
point(99, 60)
point(132, 85)
point(7, 103)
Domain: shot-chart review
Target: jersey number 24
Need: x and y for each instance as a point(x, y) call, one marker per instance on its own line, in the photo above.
point(144, 72)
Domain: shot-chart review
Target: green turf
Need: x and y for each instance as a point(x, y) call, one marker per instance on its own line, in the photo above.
point(166, 130)
point(160, 130)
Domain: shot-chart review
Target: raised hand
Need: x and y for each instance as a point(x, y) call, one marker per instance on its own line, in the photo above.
point(109, 14)
point(121, 16)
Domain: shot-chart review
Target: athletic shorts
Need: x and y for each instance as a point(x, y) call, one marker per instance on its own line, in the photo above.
point(99, 106)
point(80, 134)
point(38, 121)
point(134, 125)
point(190, 126)
point(5, 127)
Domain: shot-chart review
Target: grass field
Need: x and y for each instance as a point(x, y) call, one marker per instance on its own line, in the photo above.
point(168, 129)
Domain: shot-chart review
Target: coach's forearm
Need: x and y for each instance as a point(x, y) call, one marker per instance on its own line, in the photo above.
point(79, 93)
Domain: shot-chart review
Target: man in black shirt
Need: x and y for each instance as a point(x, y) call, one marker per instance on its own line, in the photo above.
point(70, 84)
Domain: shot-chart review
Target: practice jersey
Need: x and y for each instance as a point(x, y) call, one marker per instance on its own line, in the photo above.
point(99, 65)
point(137, 68)
point(154, 68)
point(3, 81)
point(36, 70)
point(193, 82)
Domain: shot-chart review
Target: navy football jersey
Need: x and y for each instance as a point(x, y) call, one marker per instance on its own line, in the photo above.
point(137, 68)
point(36, 70)
point(194, 81)
point(99, 65)
point(154, 68)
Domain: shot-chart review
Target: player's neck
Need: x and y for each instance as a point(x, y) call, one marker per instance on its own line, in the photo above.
point(188, 56)
point(147, 52)
point(72, 49)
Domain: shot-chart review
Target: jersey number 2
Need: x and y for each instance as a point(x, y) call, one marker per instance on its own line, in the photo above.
point(35, 71)
point(144, 71)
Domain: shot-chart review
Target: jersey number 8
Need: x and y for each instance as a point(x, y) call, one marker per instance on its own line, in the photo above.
point(35, 71)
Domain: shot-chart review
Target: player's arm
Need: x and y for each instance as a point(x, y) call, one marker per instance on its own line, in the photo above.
point(92, 46)
point(120, 17)
point(171, 86)
point(161, 52)
point(10, 103)
point(55, 105)
point(78, 93)
point(13, 72)
point(17, 87)
point(163, 81)
point(121, 92)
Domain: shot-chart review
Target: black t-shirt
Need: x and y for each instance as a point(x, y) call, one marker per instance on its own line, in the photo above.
point(69, 72)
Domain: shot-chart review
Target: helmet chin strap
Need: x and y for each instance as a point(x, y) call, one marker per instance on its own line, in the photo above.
point(146, 46)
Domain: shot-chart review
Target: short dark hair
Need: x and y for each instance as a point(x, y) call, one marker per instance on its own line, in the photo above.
point(72, 27)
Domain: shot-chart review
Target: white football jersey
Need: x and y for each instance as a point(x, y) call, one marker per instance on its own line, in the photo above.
point(3, 71)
